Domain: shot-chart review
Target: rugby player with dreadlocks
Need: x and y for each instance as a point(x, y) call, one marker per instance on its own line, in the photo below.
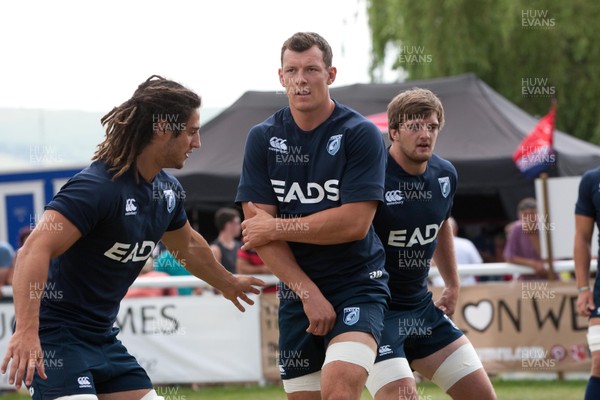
point(92, 241)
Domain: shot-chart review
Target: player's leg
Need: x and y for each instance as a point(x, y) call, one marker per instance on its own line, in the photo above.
point(592, 390)
point(439, 351)
point(301, 354)
point(141, 394)
point(457, 370)
point(66, 360)
point(351, 351)
point(348, 360)
point(391, 377)
point(120, 376)
point(305, 387)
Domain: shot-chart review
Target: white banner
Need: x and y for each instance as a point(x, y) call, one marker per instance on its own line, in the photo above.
point(182, 339)
point(7, 315)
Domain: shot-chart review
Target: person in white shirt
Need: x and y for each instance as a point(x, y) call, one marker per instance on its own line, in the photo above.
point(466, 253)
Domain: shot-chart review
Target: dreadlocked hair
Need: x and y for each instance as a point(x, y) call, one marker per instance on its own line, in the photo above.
point(130, 126)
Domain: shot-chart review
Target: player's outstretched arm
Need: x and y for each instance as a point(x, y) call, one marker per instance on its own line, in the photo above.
point(445, 260)
point(278, 256)
point(193, 252)
point(584, 228)
point(346, 223)
point(52, 236)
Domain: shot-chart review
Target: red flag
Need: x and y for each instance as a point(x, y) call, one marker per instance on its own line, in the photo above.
point(535, 153)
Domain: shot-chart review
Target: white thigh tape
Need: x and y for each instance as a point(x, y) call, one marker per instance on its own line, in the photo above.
point(351, 352)
point(593, 337)
point(387, 371)
point(305, 383)
point(459, 364)
point(151, 395)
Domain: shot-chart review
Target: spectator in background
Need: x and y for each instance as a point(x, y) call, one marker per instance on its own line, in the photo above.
point(225, 247)
point(250, 263)
point(24, 233)
point(149, 272)
point(465, 253)
point(167, 263)
point(523, 242)
point(6, 258)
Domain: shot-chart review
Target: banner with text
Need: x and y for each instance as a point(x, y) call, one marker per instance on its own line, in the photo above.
point(180, 339)
point(524, 326)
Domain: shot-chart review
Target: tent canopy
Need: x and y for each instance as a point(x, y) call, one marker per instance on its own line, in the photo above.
point(482, 131)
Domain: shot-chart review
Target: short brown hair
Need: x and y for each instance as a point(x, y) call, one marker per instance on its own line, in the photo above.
point(415, 103)
point(225, 215)
point(302, 41)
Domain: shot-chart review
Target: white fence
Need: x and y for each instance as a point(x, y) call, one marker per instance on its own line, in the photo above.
point(205, 339)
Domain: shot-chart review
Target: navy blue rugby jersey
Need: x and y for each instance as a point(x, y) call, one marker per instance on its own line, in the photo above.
point(120, 223)
point(341, 161)
point(408, 223)
point(588, 200)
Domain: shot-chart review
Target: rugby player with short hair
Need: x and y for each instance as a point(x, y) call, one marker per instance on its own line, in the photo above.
point(312, 178)
point(412, 224)
point(91, 243)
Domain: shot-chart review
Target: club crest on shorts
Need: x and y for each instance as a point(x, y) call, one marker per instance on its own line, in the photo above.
point(333, 145)
point(170, 198)
point(351, 315)
point(444, 185)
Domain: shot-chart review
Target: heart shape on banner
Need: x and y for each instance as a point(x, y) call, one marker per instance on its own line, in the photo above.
point(479, 315)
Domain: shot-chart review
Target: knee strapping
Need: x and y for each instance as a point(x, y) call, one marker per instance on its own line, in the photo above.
point(593, 337)
point(151, 395)
point(387, 371)
point(459, 364)
point(351, 352)
point(305, 383)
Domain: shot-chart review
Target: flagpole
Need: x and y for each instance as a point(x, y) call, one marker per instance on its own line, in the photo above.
point(548, 232)
point(538, 145)
point(547, 225)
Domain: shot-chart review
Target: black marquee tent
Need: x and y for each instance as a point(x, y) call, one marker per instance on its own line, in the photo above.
point(482, 131)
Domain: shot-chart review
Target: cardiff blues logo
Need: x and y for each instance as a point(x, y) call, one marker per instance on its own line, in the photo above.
point(170, 198)
point(333, 145)
point(351, 315)
point(444, 185)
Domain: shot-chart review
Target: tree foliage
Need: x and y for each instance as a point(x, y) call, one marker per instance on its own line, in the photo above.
point(525, 50)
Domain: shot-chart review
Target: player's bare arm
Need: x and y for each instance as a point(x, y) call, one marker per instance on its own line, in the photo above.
point(446, 262)
point(536, 265)
point(192, 250)
point(346, 223)
point(584, 228)
point(278, 256)
point(53, 235)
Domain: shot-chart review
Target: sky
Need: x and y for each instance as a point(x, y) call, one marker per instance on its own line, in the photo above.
point(91, 55)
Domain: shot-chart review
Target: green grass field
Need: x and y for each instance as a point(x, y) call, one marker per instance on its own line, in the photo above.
point(506, 390)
